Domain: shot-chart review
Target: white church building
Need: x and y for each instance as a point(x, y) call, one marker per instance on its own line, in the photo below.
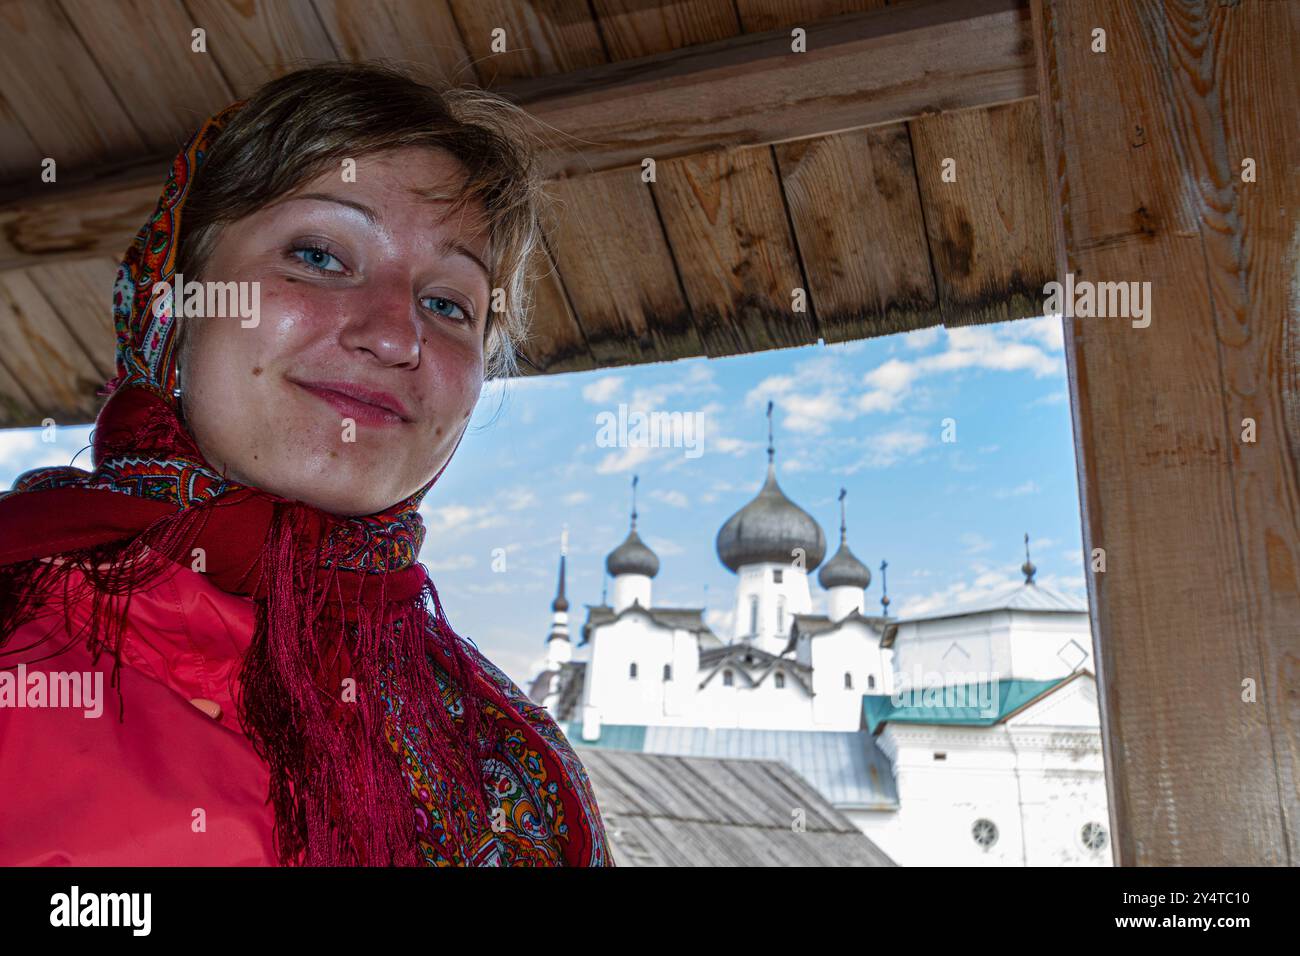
point(967, 736)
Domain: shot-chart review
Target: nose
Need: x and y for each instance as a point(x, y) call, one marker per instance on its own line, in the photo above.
point(384, 324)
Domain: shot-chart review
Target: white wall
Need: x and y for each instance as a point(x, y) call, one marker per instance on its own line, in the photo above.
point(758, 580)
point(853, 647)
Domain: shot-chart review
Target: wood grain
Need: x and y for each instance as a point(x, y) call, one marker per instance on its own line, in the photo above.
point(1201, 530)
point(857, 216)
point(990, 230)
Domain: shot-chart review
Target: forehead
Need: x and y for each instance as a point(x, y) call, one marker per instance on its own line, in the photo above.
point(412, 183)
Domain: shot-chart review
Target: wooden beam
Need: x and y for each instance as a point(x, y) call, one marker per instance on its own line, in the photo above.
point(1187, 430)
point(860, 70)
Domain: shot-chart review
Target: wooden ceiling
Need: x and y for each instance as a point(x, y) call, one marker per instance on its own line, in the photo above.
point(775, 171)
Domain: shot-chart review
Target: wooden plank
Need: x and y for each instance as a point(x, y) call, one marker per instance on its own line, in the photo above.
point(57, 374)
point(759, 15)
point(857, 216)
point(1201, 530)
point(80, 292)
point(726, 223)
point(634, 28)
point(702, 101)
point(546, 36)
point(556, 342)
point(618, 270)
point(861, 70)
point(257, 40)
point(57, 91)
point(421, 38)
point(20, 158)
point(171, 90)
point(990, 230)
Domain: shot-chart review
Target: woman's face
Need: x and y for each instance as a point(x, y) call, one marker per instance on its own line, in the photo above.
point(366, 360)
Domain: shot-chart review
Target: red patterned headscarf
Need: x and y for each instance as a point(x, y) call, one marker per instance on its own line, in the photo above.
point(335, 598)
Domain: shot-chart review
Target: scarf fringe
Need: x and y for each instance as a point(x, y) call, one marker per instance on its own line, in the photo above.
point(334, 776)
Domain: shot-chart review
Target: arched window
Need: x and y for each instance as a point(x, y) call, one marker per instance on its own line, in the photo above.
point(753, 614)
point(780, 613)
point(631, 671)
point(848, 681)
point(727, 679)
point(668, 672)
point(779, 679)
point(871, 682)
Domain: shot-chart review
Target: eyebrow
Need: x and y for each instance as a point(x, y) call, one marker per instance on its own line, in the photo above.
point(445, 247)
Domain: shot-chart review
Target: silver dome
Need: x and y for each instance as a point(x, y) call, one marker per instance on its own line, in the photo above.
point(844, 570)
point(633, 556)
point(769, 529)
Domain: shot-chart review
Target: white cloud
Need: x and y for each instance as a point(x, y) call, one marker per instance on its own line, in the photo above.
point(602, 389)
point(1029, 487)
point(674, 498)
point(624, 459)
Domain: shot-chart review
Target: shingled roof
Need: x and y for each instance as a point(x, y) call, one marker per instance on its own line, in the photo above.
point(698, 811)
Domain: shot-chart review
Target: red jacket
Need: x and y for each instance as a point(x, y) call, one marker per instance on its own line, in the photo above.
point(166, 785)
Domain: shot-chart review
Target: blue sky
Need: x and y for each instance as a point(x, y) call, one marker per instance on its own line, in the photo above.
point(867, 416)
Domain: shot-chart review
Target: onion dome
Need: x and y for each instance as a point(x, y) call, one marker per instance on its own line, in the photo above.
point(633, 556)
point(844, 570)
point(771, 527)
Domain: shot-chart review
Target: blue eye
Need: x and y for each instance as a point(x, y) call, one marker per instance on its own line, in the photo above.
point(441, 302)
point(317, 258)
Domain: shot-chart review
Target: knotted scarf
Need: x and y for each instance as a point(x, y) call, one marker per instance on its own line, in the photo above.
point(435, 758)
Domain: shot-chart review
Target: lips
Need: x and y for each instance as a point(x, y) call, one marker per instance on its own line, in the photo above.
point(363, 405)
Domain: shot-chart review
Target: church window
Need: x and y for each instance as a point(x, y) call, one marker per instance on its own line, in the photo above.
point(871, 682)
point(631, 671)
point(1093, 836)
point(985, 832)
point(780, 680)
point(727, 679)
point(776, 575)
point(848, 681)
point(668, 672)
point(780, 613)
point(753, 614)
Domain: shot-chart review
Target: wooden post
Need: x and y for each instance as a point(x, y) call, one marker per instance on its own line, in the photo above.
point(1173, 156)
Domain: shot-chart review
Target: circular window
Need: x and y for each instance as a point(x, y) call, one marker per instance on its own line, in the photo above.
point(1093, 835)
point(985, 832)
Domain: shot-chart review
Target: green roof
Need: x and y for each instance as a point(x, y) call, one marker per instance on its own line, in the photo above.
point(973, 705)
point(613, 736)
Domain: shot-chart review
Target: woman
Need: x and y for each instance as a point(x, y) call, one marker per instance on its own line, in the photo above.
point(241, 564)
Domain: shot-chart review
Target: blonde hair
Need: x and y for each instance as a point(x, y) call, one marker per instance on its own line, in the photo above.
point(296, 126)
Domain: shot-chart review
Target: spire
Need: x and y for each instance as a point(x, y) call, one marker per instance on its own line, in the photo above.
point(634, 481)
point(561, 603)
point(1028, 568)
point(884, 590)
point(771, 450)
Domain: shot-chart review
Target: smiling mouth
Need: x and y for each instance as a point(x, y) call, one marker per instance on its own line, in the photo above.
point(359, 404)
